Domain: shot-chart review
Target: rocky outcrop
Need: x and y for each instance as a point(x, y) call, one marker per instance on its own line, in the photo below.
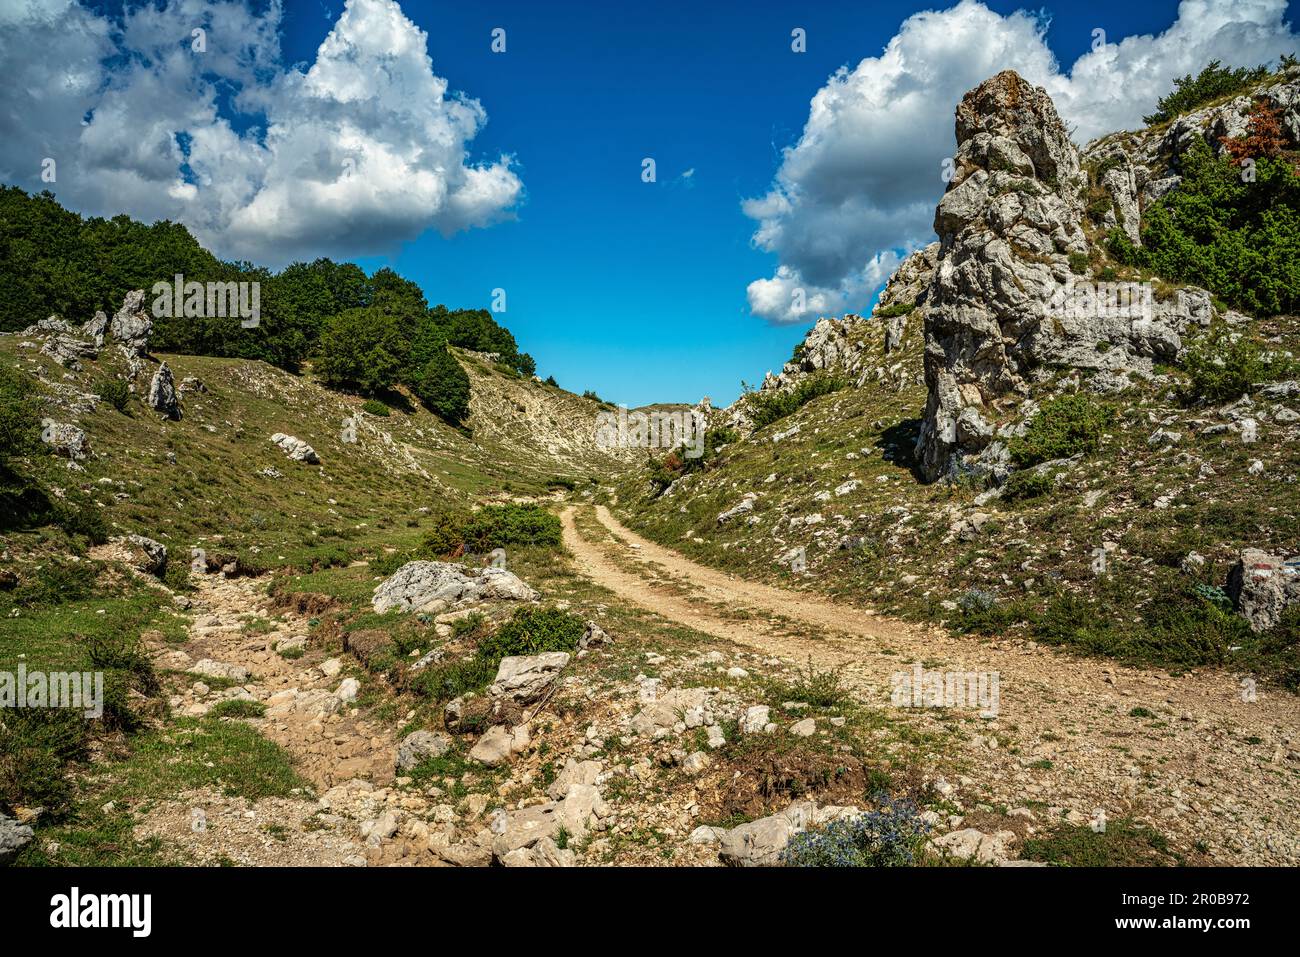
point(908, 289)
point(131, 326)
point(162, 393)
point(1007, 304)
point(424, 585)
point(1138, 168)
point(69, 350)
point(95, 328)
point(1264, 586)
point(66, 440)
point(296, 448)
point(141, 553)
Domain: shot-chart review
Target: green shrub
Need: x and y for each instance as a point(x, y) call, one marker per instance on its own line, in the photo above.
point(375, 407)
point(1211, 83)
point(1079, 263)
point(115, 393)
point(897, 309)
point(1220, 369)
point(442, 386)
point(822, 689)
point(1240, 240)
point(981, 613)
point(499, 526)
point(444, 680)
point(1062, 427)
point(36, 748)
point(237, 708)
point(81, 516)
point(531, 631)
point(767, 407)
point(55, 581)
point(1027, 484)
point(1122, 844)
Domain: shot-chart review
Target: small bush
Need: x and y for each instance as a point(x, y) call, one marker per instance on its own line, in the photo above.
point(36, 748)
point(767, 407)
point(1220, 370)
point(375, 407)
point(1211, 83)
point(237, 708)
point(19, 419)
point(445, 680)
point(889, 837)
point(115, 393)
point(979, 612)
point(1065, 426)
point(1026, 485)
point(897, 309)
point(532, 631)
point(823, 689)
point(499, 526)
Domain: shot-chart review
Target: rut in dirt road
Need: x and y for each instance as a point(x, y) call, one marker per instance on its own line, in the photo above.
point(1070, 732)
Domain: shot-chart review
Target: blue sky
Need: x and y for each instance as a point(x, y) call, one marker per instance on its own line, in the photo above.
point(638, 290)
point(643, 292)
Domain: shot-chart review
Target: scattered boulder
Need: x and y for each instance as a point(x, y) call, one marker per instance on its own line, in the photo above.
point(162, 393)
point(13, 838)
point(1264, 586)
point(746, 505)
point(526, 678)
point(975, 846)
point(499, 743)
point(417, 586)
point(663, 713)
point(760, 843)
point(296, 448)
point(142, 554)
point(420, 746)
point(66, 440)
point(219, 669)
point(755, 719)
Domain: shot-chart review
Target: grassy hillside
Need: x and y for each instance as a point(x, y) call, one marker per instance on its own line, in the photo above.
point(214, 479)
point(1172, 493)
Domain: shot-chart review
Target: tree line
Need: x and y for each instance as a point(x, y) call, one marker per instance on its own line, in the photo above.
point(362, 333)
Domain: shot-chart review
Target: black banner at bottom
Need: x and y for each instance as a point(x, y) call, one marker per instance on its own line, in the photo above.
point(300, 906)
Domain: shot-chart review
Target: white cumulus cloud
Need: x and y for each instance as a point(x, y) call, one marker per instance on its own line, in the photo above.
point(363, 149)
point(859, 187)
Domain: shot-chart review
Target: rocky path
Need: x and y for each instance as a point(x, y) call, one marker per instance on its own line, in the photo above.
point(239, 649)
point(1215, 773)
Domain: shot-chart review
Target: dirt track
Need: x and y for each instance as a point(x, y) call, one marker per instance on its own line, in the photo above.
point(1208, 766)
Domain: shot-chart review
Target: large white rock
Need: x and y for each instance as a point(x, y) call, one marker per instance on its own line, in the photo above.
point(296, 448)
point(418, 585)
point(525, 678)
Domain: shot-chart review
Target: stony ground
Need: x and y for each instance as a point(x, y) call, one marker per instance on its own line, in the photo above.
point(1185, 755)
